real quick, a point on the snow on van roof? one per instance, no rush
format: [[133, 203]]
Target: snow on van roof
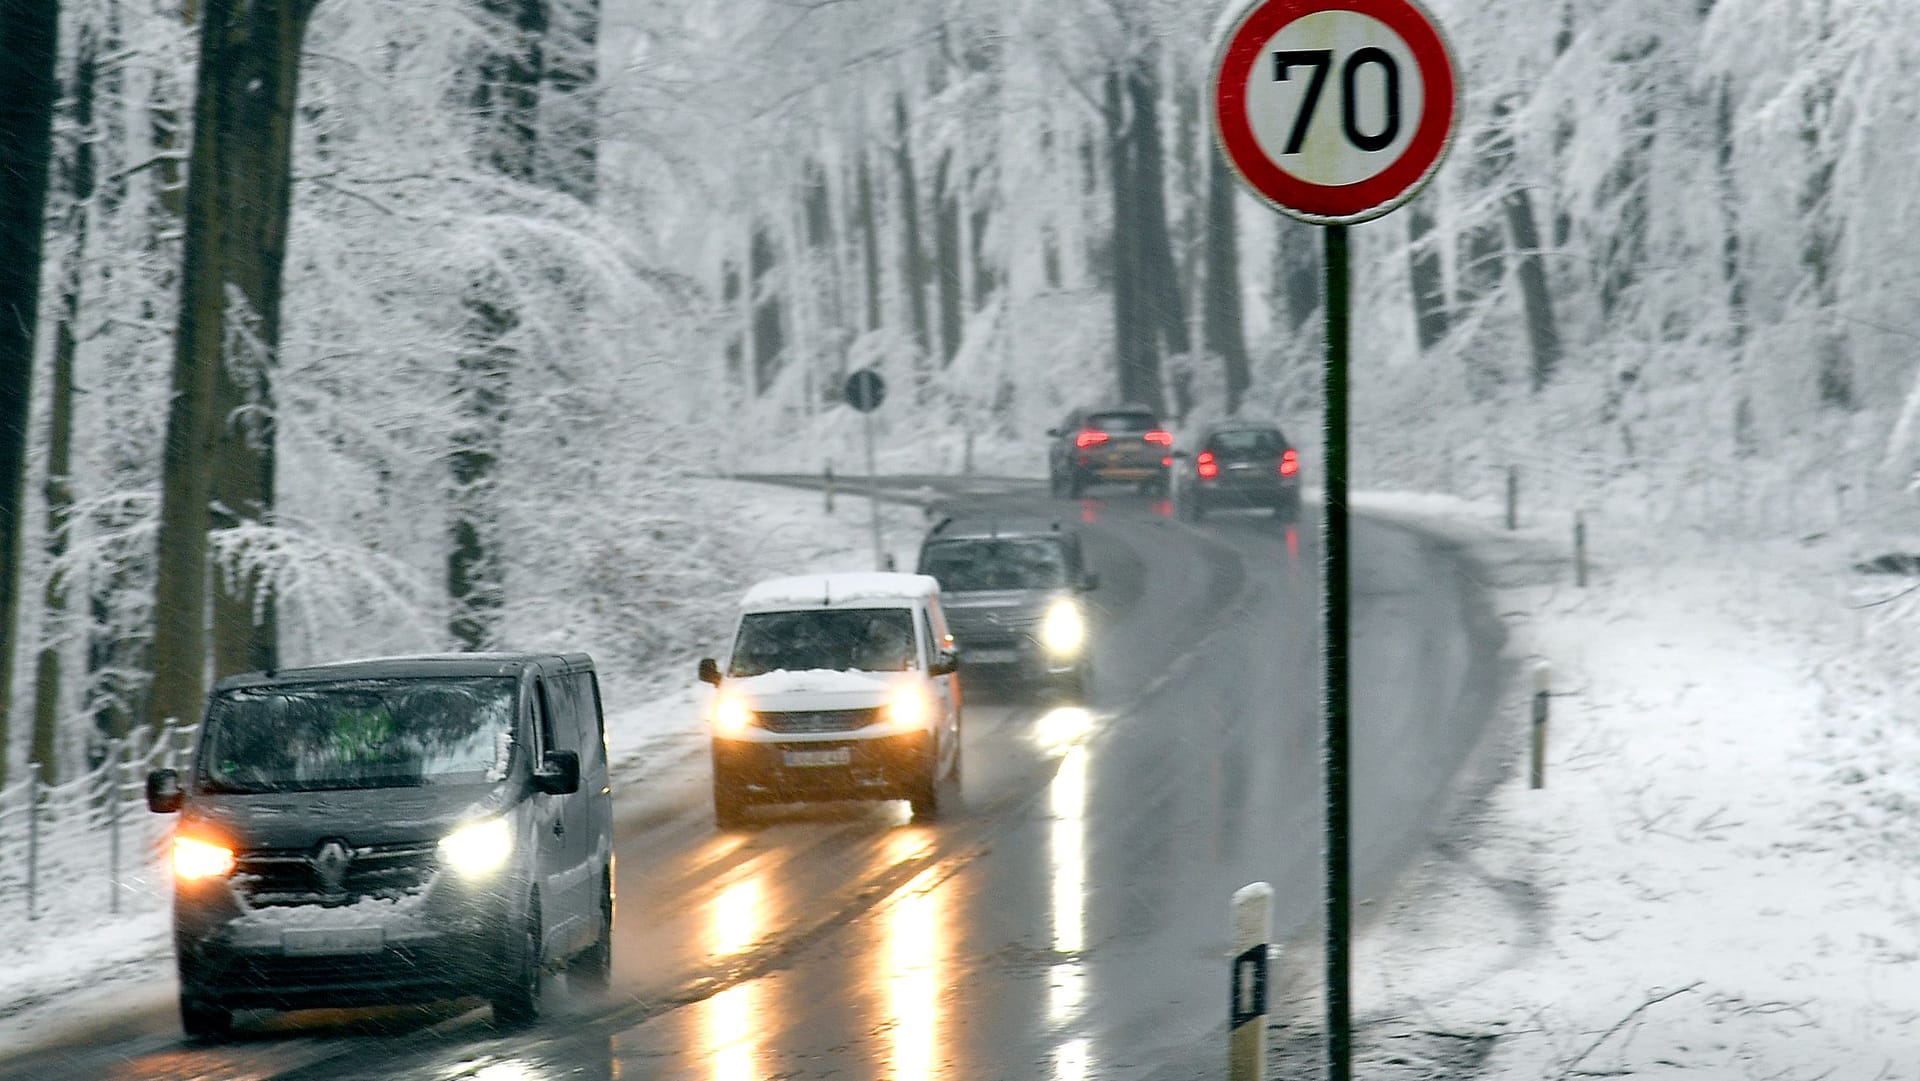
[[849, 589]]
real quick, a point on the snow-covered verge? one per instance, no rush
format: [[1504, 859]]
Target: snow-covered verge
[[1721, 875], [77, 963]]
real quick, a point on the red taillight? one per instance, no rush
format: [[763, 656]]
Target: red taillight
[[1090, 438], [1208, 468], [1289, 463], [1164, 438]]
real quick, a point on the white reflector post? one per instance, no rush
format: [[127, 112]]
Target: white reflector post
[[1247, 1009]]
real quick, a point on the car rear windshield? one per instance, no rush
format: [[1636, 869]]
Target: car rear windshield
[[1248, 441], [841, 639], [970, 566], [376, 733], [1123, 423]]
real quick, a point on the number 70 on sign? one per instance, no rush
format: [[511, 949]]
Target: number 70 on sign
[[1334, 110]]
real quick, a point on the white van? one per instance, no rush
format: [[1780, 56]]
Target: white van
[[837, 686]]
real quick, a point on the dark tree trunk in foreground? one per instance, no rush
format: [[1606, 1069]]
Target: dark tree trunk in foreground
[[235, 237], [28, 52], [1159, 279], [869, 244], [1221, 327], [1138, 307]]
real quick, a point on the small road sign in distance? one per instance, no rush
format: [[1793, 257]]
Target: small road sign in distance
[[865, 390], [1334, 111]]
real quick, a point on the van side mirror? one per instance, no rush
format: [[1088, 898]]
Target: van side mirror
[[1089, 582], [945, 663], [163, 791], [559, 773], [709, 671], [1182, 452]]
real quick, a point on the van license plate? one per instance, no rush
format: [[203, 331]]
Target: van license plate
[[838, 756], [314, 941]]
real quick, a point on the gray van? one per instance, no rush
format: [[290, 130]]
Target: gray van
[[395, 830]]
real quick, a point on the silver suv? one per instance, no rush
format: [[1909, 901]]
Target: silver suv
[[1013, 593]]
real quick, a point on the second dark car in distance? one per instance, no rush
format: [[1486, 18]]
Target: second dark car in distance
[[1238, 466]]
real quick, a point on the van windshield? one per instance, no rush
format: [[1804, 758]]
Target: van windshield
[[842, 639], [374, 733], [970, 566]]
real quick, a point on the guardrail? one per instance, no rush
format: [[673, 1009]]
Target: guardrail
[[89, 847]]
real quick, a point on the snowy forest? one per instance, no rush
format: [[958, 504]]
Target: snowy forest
[[415, 345]]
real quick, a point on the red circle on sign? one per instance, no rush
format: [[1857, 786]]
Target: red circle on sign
[[1334, 203]]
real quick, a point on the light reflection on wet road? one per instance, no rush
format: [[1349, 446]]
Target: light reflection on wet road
[[1067, 922]]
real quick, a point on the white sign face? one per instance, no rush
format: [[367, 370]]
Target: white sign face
[[1336, 99], [1334, 111]]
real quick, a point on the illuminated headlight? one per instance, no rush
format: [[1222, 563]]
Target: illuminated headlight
[[194, 860], [908, 709], [479, 849], [731, 716], [1063, 631]]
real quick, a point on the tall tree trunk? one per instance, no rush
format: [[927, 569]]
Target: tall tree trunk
[[769, 327], [984, 278], [869, 244], [1159, 284], [1296, 271], [1543, 333], [570, 138], [1136, 361], [506, 100], [1425, 277], [237, 197], [1221, 327], [79, 182], [476, 586], [28, 88], [946, 249], [913, 265]]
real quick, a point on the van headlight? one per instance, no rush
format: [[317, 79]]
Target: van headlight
[[478, 849], [731, 716], [194, 859], [908, 709], [1063, 631]]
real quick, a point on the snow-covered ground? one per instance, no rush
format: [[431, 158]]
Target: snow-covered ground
[[1721, 877]]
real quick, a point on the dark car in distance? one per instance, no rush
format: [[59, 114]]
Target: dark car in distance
[[1239, 467], [1012, 592], [392, 830], [1124, 444]]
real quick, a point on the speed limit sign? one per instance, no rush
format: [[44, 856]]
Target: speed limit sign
[[1334, 111]]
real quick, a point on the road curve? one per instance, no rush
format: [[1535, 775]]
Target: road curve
[[1068, 922]]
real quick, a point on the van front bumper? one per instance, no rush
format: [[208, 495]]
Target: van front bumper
[[792, 771]]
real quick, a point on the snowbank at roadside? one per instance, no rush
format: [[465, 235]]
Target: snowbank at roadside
[[1721, 876]]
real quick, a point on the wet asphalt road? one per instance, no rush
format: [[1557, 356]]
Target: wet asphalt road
[[1069, 922]]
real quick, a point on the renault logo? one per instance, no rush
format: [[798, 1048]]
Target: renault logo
[[330, 862]]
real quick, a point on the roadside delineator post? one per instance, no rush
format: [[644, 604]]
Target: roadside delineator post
[[1538, 774], [1247, 1005]]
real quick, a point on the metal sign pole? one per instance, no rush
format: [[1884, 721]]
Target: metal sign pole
[[873, 491], [1339, 865]]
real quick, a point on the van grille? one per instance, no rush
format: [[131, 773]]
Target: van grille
[[804, 722], [270, 877]]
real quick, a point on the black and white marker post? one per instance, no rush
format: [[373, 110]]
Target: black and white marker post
[[865, 390], [1247, 1008], [1335, 112]]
